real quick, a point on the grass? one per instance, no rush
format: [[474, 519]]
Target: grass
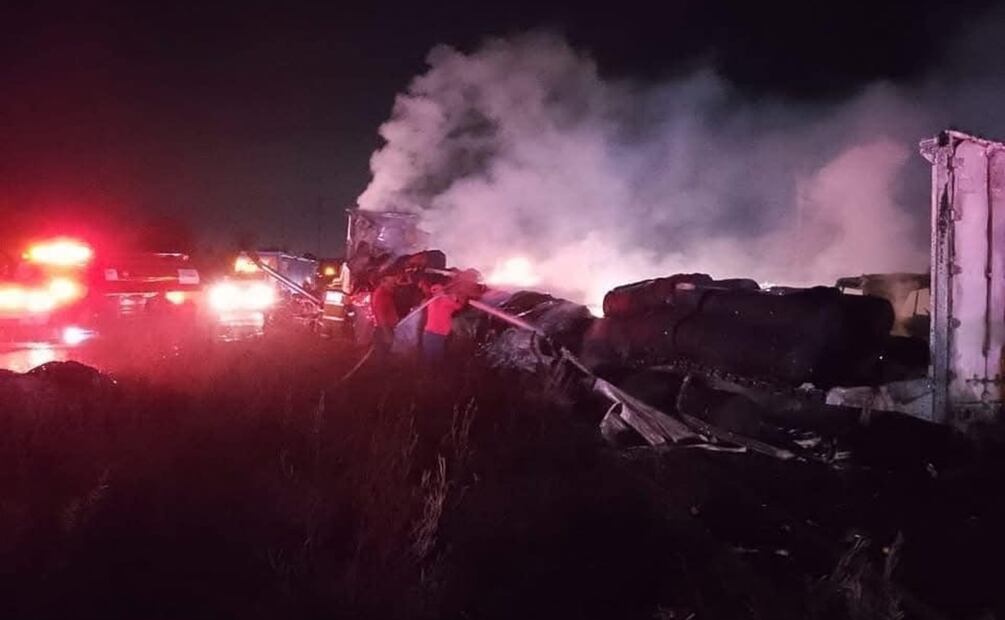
[[246, 481]]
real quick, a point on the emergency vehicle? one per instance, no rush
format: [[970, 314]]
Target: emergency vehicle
[[44, 289], [59, 293]]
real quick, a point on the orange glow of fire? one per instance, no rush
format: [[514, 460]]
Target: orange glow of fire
[[243, 264], [514, 271]]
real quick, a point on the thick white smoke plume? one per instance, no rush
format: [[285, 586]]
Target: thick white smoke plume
[[528, 165]]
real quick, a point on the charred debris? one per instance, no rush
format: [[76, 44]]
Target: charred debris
[[693, 361]]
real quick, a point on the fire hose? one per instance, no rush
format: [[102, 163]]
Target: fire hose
[[655, 426]]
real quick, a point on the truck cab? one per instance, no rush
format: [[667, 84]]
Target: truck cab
[[375, 241]]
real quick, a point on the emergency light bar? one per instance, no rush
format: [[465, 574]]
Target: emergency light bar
[[60, 253]]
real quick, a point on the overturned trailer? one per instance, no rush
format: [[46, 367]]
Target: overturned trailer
[[927, 345]]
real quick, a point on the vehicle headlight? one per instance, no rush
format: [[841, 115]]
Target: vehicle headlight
[[259, 296], [175, 297], [232, 296], [73, 335], [224, 297]]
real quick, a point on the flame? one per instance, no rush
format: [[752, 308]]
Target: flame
[[514, 271], [243, 264]]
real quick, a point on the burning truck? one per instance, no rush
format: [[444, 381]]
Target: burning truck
[[668, 352]]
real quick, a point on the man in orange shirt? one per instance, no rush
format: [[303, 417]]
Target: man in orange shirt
[[439, 321], [385, 316]]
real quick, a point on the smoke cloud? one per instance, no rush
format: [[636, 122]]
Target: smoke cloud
[[528, 164]]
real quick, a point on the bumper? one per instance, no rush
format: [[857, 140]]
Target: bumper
[[241, 319], [232, 326], [335, 313]]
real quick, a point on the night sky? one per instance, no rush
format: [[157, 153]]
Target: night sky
[[254, 120]]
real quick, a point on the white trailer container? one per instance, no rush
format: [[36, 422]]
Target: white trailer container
[[968, 277]]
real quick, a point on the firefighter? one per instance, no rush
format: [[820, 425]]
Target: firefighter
[[385, 315], [439, 320]]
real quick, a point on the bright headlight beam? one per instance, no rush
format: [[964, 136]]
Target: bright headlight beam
[[231, 296]]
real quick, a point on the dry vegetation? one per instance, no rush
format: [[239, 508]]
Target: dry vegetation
[[246, 482]]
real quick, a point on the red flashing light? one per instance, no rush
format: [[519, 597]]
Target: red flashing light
[[60, 253]]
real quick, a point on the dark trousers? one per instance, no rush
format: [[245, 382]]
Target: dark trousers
[[383, 337], [434, 346]]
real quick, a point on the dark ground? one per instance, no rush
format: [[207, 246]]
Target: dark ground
[[244, 481]]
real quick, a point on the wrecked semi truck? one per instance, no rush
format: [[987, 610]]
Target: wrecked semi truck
[[929, 345]]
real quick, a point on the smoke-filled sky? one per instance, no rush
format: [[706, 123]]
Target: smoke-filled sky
[[531, 164], [724, 136]]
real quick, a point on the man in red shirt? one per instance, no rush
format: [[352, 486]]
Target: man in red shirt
[[439, 321], [385, 316]]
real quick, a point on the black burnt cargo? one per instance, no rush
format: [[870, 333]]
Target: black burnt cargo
[[818, 335]]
